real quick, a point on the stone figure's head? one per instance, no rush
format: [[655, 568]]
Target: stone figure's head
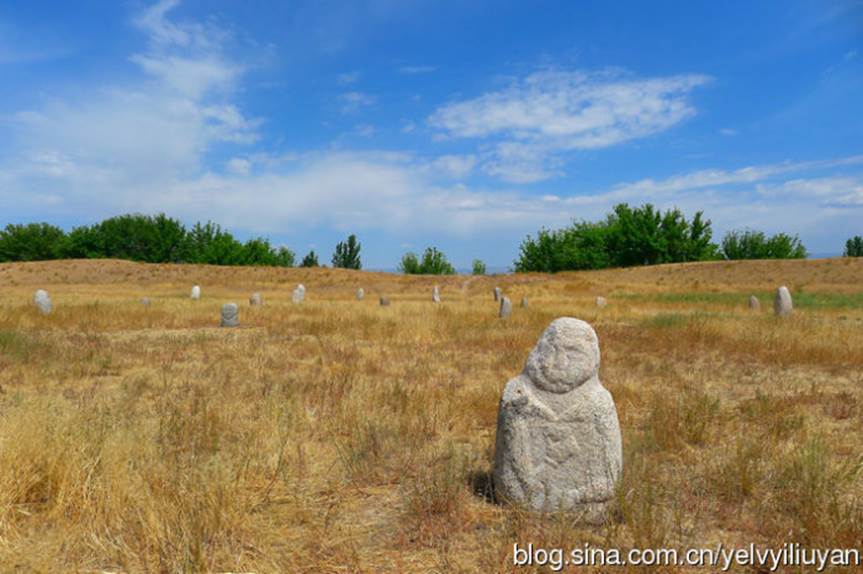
[[566, 356]]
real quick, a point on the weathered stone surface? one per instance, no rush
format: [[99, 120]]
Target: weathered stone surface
[[436, 294], [360, 294], [782, 304], [256, 300], [524, 302], [43, 301], [196, 293], [385, 301], [299, 294], [754, 303], [145, 301], [505, 308], [558, 441], [601, 302], [230, 315], [497, 293]]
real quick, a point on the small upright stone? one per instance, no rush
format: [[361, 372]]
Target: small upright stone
[[145, 301], [524, 302], [497, 293], [436, 294], [558, 445], [505, 308], [299, 294], [782, 304], [601, 302], [196, 293], [385, 301], [360, 294], [754, 303], [230, 315], [255, 300], [43, 301]]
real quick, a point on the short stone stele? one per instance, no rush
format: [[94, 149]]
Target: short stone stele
[[385, 301], [255, 300], [145, 301], [436, 294], [524, 302], [505, 308], [601, 302], [754, 303], [558, 444], [497, 293], [360, 294], [230, 315], [196, 293], [299, 294], [782, 305], [43, 301]]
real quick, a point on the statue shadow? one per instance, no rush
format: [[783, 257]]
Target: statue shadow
[[482, 486]]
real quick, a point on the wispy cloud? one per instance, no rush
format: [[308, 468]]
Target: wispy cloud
[[413, 70], [553, 111], [353, 101], [348, 78]]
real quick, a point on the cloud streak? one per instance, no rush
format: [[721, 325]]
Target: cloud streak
[[555, 111]]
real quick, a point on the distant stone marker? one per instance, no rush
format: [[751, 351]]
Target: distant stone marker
[[299, 294], [558, 443], [436, 294], [754, 303], [145, 301], [43, 301], [524, 302], [782, 305], [505, 308], [230, 315], [497, 293], [255, 300], [601, 302], [385, 301], [360, 294], [196, 293]]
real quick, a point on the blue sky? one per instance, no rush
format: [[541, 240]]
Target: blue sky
[[464, 125]]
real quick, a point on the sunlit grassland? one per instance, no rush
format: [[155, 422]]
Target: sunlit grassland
[[341, 436]]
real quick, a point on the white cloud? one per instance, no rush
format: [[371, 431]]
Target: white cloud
[[452, 166], [353, 101], [413, 70], [364, 130], [348, 78], [728, 132], [155, 128], [554, 111], [239, 166]]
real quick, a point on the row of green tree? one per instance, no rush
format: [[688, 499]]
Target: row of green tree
[[627, 236], [153, 239], [647, 236]]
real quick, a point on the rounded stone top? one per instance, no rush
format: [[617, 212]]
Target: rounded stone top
[[565, 357]]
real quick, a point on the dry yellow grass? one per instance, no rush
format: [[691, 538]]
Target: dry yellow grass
[[340, 436]]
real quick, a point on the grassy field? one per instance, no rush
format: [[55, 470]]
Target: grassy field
[[341, 436]]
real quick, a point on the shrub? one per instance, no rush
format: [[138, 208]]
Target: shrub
[[749, 244], [31, 242], [347, 254], [310, 260], [854, 247], [478, 267], [628, 236], [433, 262]]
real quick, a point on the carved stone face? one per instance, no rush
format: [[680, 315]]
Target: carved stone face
[[566, 356]]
